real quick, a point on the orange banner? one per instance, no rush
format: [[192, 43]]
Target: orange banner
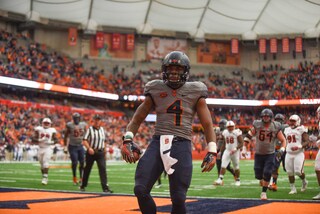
[[130, 42], [116, 41], [273, 45], [298, 44], [72, 37], [285, 45], [262, 46], [99, 40], [234, 46]]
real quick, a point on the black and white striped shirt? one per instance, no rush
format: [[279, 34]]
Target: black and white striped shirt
[[95, 137]]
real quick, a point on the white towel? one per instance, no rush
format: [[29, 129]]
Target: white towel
[[165, 147]]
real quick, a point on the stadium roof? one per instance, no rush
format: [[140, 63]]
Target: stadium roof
[[245, 19]]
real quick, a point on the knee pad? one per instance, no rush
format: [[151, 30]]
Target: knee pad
[[298, 173], [140, 191], [178, 198]]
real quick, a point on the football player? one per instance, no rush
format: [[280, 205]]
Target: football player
[[73, 141], [297, 139], [273, 183], [175, 101], [45, 136], [317, 161], [220, 142], [233, 142], [266, 131]]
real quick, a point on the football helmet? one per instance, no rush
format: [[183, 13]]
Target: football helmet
[[266, 112], [175, 78], [230, 125], [222, 124], [76, 118], [294, 121], [46, 123], [279, 117]]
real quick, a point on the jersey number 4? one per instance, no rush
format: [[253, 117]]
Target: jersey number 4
[[175, 108]]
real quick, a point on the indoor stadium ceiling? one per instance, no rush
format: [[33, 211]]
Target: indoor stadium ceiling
[[244, 19]]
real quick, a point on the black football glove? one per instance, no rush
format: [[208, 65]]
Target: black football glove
[[279, 155], [208, 162], [130, 151]]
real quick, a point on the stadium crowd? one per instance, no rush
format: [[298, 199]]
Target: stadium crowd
[[20, 57]]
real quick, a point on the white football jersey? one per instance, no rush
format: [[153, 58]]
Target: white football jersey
[[294, 138], [231, 138], [45, 136]]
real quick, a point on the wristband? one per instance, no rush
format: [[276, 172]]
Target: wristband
[[282, 149], [212, 147], [128, 136]]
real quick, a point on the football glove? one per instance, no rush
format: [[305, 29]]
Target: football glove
[[65, 150], [279, 154], [130, 151], [208, 162]]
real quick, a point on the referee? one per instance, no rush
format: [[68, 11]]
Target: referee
[[95, 142]]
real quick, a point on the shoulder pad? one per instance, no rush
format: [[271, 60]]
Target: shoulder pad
[[238, 132], [277, 125], [83, 123], [152, 84], [53, 130], [303, 128], [224, 132], [257, 123], [197, 88], [38, 128]]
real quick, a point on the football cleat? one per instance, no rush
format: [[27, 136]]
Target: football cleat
[[237, 183], [107, 190], [75, 182], [317, 197], [293, 191], [263, 196], [82, 189], [44, 181], [304, 186], [273, 187], [218, 182]]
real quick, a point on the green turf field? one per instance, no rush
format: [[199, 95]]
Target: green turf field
[[121, 180]]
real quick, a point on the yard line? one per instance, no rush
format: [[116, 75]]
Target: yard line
[[8, 181]]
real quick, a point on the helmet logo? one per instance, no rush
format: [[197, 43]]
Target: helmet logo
[[174, 61]]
